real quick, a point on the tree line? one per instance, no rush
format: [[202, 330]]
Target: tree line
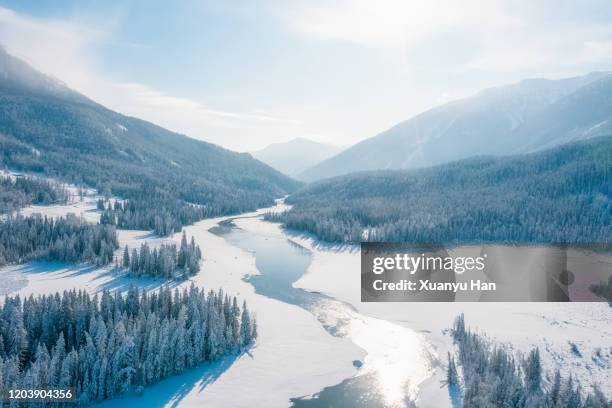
[[106, 346], [165, 261], [562, 195], [492, 377], [20, 191], [68, 239], [162, 215]]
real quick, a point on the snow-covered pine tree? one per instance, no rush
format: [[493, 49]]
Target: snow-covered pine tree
[[451, 371], [106, 346], [126, 257]]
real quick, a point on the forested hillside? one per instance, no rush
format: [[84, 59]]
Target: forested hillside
[[559, 195], [45, 127]]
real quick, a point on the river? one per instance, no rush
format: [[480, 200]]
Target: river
[[398, 359]]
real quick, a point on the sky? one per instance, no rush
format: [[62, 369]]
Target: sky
[[244, 74]]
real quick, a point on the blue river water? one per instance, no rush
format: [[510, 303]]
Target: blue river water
[[281, 262]]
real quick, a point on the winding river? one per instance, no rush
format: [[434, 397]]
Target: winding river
[[397, 360]]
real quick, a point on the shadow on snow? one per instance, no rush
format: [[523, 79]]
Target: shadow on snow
[[171, 391]]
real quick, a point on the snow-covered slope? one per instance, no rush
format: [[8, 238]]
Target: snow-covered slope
[[527, 116], [45, 126]]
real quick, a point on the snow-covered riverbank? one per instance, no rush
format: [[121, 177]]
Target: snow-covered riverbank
[[553, 327], [293, 356], [398, 358]]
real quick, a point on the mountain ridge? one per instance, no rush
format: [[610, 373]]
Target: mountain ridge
[[489, 122], [48, 128], [557, 195]]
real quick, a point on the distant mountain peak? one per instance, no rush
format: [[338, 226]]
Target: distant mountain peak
[[294, 156], [16, 76]]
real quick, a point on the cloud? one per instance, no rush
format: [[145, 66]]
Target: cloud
[[444, 98], [373, 63], [156, 99], [563, 48], [54, 46], [390, 23], [66, 50], [594, 51], [528, 37]]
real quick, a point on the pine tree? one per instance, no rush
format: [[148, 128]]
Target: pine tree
[[533, 371], [126, 257], [183, 251], [245, 325], [554, 395], [452, 378], [254, 332], [459, 331]]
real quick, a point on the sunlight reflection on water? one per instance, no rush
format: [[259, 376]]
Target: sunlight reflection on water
[[399, 358]]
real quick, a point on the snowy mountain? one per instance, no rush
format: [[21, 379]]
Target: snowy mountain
[[16, 76], [560, 194], [46, 127], [296, 155], [519, 118]]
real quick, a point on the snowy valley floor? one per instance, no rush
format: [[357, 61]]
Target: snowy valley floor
[[295, 356], [553, 327]]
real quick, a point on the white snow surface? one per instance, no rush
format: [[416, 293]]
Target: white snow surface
[[85, 208], [335, 271], [81, 206], [293, 356]]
